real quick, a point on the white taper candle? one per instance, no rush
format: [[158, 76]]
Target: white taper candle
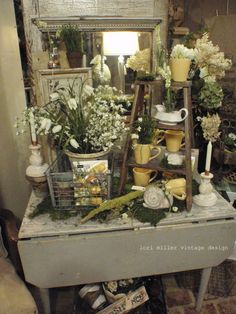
[[32, 128], [208, 157]]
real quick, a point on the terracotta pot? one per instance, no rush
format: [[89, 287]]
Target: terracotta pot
[[179, 69], [75, 59]]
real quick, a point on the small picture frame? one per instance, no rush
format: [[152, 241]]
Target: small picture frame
[[50, 79]]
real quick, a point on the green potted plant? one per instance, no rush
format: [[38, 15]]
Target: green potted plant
[[73, 39], [166, 112], [143, 136]]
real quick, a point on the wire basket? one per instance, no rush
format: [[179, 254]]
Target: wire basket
[[78, 188]]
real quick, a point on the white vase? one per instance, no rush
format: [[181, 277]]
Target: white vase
[[92, 156]]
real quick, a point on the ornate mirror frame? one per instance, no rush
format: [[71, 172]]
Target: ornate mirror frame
[[99, 24]]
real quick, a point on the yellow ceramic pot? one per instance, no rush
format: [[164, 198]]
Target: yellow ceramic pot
[[179, 69], [174, 140], [142, 177], [142, 153]]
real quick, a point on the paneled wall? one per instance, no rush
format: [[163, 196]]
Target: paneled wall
[[197, 12], [14, 189]]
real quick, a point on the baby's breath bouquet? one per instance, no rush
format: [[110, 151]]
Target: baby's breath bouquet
[[78, 118]]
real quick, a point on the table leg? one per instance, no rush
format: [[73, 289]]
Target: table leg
[[45, 299], [206, 272]]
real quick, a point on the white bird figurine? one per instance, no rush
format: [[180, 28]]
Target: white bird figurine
[[101, 72]]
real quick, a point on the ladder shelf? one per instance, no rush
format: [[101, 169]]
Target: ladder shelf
[[187, 127]]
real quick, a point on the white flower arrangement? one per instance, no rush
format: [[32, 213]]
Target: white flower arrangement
[[165, 72], [210, 126], [79, 118], [140, 61], [210, 59], [179, 51]]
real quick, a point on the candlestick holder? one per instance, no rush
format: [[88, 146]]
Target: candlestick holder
[[35, 172], [206, 197]]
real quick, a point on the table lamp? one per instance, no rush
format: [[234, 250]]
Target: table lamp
[[120, 44]]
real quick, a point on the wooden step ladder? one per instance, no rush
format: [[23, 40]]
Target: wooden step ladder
[[187, 126]]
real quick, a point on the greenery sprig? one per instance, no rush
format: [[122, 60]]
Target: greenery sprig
[[144, 129], [72, 37]]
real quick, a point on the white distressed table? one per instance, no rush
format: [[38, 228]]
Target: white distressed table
[[65, 253]]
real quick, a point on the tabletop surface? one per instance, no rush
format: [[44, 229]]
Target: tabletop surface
[[43, 226]]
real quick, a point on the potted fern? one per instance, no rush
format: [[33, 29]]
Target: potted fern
[[73, 39]]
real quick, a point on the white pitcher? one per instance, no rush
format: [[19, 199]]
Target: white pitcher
[[172, 117]]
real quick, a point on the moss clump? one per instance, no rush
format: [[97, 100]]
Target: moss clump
[[45, 207]]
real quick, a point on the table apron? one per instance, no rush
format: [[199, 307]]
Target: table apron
[[71, 260]]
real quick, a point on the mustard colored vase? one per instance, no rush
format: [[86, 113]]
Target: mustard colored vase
[[142, 153], [179, 69], [174, 140]]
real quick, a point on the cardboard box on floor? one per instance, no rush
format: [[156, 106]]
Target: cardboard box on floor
[[124, 305]]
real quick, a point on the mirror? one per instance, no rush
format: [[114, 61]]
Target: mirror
[[94, 29], [113, 71]]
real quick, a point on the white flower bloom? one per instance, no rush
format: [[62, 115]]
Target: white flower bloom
[[180, 51], [140, 119], [56, 128], [45, 125], [175, 209], [232, 136], [54, 96], [124, 216], [74, 143], [210, 125], [210, 57], [72, 103], [88, 90]]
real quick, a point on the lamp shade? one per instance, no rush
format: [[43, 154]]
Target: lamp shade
[[120, 43]]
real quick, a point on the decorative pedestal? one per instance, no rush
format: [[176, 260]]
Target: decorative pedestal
[[35, 173], [206, 197]]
